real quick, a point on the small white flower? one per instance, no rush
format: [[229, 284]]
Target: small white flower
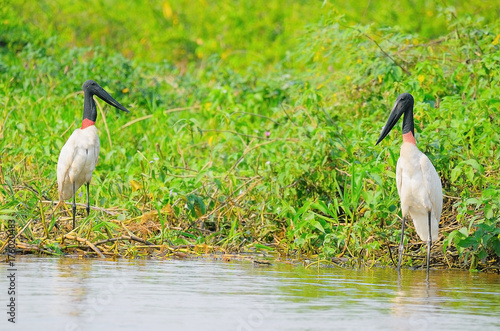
[[268, 162]]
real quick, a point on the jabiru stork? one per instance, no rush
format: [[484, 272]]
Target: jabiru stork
[[419, 185], [79, 155]]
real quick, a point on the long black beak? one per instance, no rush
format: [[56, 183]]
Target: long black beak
[[101, 93], [391, 121]]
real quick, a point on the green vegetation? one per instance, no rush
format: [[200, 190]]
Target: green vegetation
[[252, 125]]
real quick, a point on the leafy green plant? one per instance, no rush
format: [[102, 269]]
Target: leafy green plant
[[259, 136]]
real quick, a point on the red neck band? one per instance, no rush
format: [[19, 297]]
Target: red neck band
[[86, 123], [408, 138]]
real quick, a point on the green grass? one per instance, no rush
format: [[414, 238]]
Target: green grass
[[253, 123]]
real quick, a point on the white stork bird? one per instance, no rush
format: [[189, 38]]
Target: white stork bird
[[79, 155], [419, 185]]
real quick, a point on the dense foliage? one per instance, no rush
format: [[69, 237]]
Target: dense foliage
[[253, 123]]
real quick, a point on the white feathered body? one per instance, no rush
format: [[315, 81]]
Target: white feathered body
[[420, 191], [77, 161]]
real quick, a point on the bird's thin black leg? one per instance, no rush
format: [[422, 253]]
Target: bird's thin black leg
[[88, 203], [74, 204], [401, 243], [429, 243]]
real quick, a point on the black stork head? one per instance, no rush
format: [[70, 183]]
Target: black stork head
[[91, 88], [403, 105]]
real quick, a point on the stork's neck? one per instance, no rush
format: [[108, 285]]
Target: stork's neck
[[408, 126], [409, 138], [89, 111], [86, 123]]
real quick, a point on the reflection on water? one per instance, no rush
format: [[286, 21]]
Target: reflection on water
[[72, 294]]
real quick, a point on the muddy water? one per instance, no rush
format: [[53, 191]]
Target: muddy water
[[72, 294]]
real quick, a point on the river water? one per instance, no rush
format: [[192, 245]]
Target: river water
[[93, 294]]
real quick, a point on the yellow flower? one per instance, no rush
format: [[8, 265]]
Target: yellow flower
[[316, 57], [421, 78], [167, 10], [135, 185], [495, 42], [225, 54]]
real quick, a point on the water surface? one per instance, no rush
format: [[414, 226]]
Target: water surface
[[92, 294]]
